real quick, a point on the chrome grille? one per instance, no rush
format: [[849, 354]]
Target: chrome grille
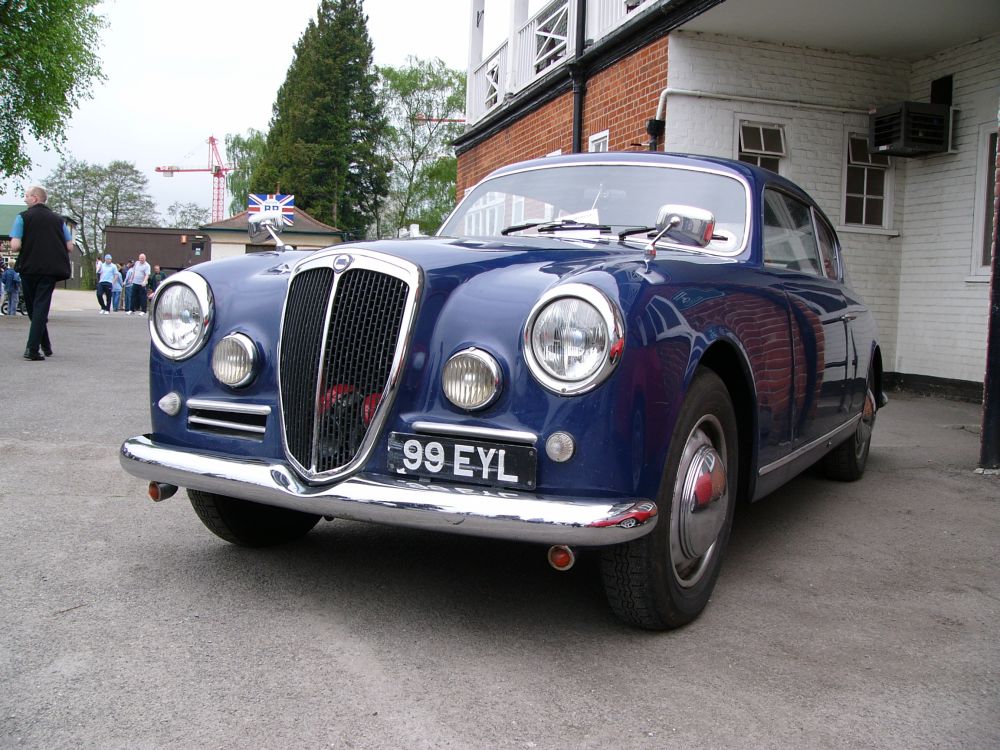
[[333, 372]]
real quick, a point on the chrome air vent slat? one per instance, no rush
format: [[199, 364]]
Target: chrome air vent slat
[[231, 420]]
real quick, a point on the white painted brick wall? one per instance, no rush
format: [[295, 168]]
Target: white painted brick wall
[[899, 276], [942, 313]]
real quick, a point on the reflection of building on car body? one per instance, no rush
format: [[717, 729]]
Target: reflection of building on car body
[[604, 350]]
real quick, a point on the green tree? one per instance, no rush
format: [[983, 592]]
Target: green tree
[[47, 65], [244, 153], [423, 101], [97, 196], [187, 215], [323, 145]]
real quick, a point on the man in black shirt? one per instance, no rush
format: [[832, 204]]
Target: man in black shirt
[[43, 243]]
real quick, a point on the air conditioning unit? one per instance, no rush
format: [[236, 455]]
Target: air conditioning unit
[[910, 129]]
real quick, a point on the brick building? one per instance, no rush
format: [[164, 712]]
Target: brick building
[[169, 248], [788, 84]]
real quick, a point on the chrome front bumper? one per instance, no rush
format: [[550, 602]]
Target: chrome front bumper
[[475, 511]]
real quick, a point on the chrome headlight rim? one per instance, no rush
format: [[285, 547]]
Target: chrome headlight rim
[[249, 348], [613, 323], [491, 365], [203, 294]]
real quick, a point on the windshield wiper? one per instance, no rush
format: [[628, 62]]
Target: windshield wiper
[[568, 225], [634, 230]]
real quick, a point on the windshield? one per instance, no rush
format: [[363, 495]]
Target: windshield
[[601, 200]]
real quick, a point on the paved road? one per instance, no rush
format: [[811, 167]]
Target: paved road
[[847, 616]]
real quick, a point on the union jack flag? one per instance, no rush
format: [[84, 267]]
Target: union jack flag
[[266, 204]]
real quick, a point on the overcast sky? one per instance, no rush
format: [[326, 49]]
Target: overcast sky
[[180, 71]]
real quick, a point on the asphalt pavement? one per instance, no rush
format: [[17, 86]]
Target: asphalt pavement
[[863, 615]]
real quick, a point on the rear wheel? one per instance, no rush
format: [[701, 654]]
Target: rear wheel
[[249, 524], [664, 579], [846, 462]]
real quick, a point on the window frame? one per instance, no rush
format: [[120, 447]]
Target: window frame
[[888, 185], [596, 139], [985, 170], [758, 154]]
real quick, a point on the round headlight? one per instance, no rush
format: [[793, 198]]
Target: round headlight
[[471, 379], [573, 338], [233, 360], [181, 315]]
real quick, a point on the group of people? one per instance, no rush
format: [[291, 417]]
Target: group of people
[[136, 279], [43, 243], [10, 286]]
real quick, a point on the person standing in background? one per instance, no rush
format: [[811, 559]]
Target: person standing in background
[[140, 277], [43, 243], [105, 283], [116, 289], [156, 279], [128, 287]]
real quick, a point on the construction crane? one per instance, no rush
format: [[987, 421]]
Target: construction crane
[[219, 171]]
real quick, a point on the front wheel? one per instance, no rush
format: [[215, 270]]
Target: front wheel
[[249, 524], [664, 579]]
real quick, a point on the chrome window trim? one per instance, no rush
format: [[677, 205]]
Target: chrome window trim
[[206, 301], [409, 273], [613, 321], [748, 203]]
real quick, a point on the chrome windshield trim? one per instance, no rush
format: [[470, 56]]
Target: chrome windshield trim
[[473, 433], [478, 511], [849, 425], [230, 406], [747, 219]]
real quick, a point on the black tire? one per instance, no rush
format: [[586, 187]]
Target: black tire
[[846, 462], [249, 524], [664, 579]]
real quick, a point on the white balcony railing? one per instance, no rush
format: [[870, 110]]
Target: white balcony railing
[[539, 45], [488, 84]]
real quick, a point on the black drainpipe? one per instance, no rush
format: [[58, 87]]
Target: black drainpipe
[[579, 76], [989, 457]]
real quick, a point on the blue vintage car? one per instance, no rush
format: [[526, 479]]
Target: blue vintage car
[[601, 350]]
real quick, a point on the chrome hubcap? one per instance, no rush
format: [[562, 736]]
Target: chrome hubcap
[[867, 423], [700, 501]]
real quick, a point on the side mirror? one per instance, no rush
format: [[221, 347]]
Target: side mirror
[[685, 225]]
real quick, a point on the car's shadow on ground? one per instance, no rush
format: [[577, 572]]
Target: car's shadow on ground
[[405, 576]]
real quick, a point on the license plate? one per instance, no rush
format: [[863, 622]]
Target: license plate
[[468, 461]]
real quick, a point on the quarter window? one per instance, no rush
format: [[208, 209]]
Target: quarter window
[[762, 145], [829, 250], [866, 185]]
